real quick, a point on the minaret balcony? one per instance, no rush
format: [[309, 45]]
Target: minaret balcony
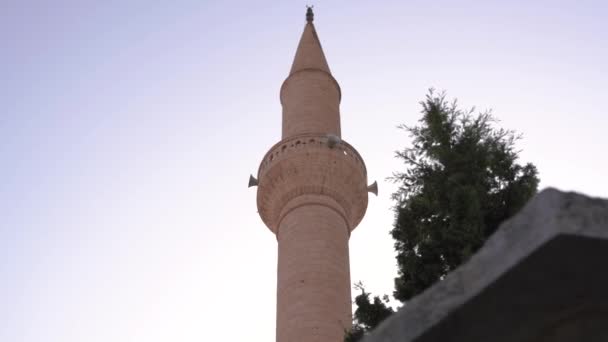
[[312, 168]]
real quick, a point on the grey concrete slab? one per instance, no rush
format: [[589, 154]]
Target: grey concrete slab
[[543, 276]]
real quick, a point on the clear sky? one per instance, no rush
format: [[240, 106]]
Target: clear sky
[[129, 129]]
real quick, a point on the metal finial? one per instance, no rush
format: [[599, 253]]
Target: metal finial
[[309, 15]]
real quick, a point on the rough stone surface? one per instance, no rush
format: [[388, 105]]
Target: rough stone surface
[[542, 277]]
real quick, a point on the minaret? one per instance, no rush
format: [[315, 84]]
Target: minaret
[[312, 192]]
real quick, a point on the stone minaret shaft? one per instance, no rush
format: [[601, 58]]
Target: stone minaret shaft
[[312, 192]]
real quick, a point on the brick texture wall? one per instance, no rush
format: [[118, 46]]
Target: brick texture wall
[[311, 103], [313, 290], [312, 192]]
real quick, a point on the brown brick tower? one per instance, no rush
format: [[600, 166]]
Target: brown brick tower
[[312, 192]]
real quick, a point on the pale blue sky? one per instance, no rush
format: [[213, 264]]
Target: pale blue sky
[[129, 129]]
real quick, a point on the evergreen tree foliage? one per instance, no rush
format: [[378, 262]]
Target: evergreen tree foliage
[[368, 315], [461, 181]]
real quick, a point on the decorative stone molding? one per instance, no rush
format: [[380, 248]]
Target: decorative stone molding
[[306, 165]]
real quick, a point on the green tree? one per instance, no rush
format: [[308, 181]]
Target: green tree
[[461, 181], [368, 315]]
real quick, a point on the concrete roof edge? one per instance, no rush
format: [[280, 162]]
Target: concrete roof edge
[[549, 214]]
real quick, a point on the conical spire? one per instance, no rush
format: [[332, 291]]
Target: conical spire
[[309, 54], [310, 95]]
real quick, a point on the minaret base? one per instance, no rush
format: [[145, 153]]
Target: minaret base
[[313, 290]]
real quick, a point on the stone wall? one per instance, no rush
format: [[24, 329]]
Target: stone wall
[[542, 277]]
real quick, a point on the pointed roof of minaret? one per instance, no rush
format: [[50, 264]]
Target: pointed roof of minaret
[[309, 54]]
